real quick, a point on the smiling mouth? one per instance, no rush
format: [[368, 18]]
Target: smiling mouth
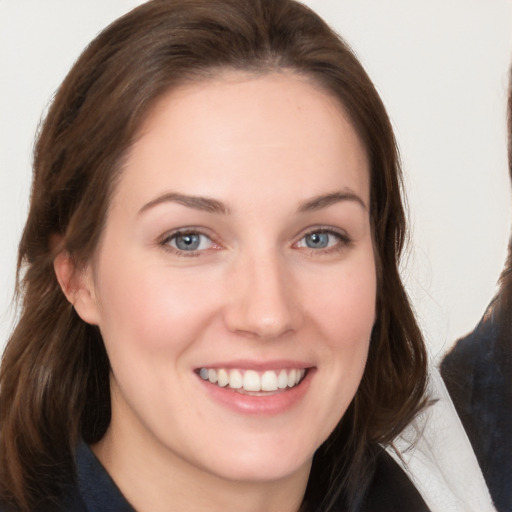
[[253, 381]]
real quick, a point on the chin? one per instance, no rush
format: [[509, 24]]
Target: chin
[[259, 462]]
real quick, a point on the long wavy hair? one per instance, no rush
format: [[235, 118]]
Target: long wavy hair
[[54, 377], [503, 300]]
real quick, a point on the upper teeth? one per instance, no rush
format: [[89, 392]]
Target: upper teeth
[[251, 380]]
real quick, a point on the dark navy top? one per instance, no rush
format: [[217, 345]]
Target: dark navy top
[[478, 375], [94, 490]]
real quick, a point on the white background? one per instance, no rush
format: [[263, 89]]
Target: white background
[[441, 68]]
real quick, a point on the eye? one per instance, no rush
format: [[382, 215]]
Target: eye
[[322, 239], [317, 240], [188, 241]]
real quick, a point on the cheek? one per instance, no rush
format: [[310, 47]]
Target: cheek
[[344, 316], [346, 309], [147, 307]]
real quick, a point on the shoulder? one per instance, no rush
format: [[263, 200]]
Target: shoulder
[[474, 349], [390, 489], [474, 371]]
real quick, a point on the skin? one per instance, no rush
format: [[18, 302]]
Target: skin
[[264, 148]]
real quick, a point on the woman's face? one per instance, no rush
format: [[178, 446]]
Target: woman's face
[[235, 283]]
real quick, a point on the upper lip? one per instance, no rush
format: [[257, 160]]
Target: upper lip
[[247, 364]]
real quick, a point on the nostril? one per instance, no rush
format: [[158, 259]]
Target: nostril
[[265, 321]]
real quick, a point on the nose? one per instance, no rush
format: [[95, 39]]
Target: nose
[[262, 300]]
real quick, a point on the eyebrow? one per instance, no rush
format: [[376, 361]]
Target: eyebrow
[[210, 205], [205, 204], [325, 200]]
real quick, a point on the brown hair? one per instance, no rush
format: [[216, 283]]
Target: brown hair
[[54, 379], [509, 122], [501, 306]]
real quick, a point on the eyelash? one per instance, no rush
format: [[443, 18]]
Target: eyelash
[[343, 240]]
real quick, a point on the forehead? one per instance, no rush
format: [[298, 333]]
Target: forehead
[[253, 132]]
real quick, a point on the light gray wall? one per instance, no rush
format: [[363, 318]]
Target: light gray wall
[[441, 68]]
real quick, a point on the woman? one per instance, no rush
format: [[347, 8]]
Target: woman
[[212, 307]]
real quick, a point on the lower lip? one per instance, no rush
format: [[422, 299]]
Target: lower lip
[[270, 404]]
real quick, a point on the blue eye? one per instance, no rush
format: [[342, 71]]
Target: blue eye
[[317, 240], [321, 239], [189, 241]]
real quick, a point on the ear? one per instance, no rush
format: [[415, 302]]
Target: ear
[[78, 287]]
